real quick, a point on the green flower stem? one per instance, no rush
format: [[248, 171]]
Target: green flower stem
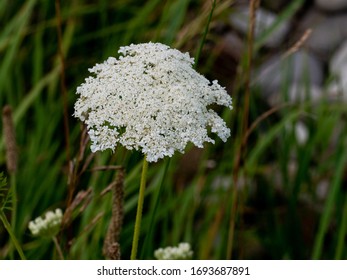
[[330, 202], [139, 210], [154, 211], [10, 232], [197, 56], [342, 234]]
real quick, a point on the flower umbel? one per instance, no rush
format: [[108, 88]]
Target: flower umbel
[[181, 252], [150, 99], [47, 226]]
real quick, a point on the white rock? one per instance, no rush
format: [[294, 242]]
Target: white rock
[[331, 5], [297, 93], [264, 20], [327, 35], [337, 89], [301, 133], [322, 189], [339, 59], [233, 46], [338, 68], [300, 68]]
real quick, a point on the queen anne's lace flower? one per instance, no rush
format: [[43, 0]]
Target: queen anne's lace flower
[[150, 99], [181, 252], [47, 226]]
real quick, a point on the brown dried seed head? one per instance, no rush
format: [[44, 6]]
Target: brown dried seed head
[[110, 250]]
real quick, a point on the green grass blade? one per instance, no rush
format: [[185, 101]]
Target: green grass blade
[[341, 159]]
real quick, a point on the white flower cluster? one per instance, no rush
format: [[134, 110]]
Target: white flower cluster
[[182, 252], [49, 226], [150, 99]]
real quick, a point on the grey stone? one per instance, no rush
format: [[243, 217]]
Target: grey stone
[[233, 46], [239, 19], [339, 60], [272, 5], [310, 19], [297, 93], [338, 68], [294, 72], [331, 5], [327, 35], [302, 133]]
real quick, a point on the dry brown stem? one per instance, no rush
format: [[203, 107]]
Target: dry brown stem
[[111, 248]]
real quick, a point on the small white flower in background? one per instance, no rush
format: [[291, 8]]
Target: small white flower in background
[[48, 226], [150, 99], [181, 252]]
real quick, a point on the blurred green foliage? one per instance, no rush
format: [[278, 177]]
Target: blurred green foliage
[[279, 214]]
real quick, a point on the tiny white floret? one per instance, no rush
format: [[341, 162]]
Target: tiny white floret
[[47, 226], [181, 252]]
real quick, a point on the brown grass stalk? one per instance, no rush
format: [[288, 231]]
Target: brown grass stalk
[[253, 6], [111, 248]]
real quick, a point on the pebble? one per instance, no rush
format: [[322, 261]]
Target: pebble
[[301, 133], [322, 189], [339, 60], [271, 75], [239, 19], [327, 35], [326, 45], [277, 5], [297, 93], [331, 5], [233, 46], [338, 68]]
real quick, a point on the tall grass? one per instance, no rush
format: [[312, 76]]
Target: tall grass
[[279, 214]]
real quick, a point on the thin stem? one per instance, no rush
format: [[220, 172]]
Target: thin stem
[[342, 234], [139, 210], [57, 246], [232, 222], [253, 6], [12, 236], [154, 211], [62, 80], [330, 201], [197, 56]]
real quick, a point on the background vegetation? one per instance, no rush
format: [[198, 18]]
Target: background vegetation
[[254, 197]]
